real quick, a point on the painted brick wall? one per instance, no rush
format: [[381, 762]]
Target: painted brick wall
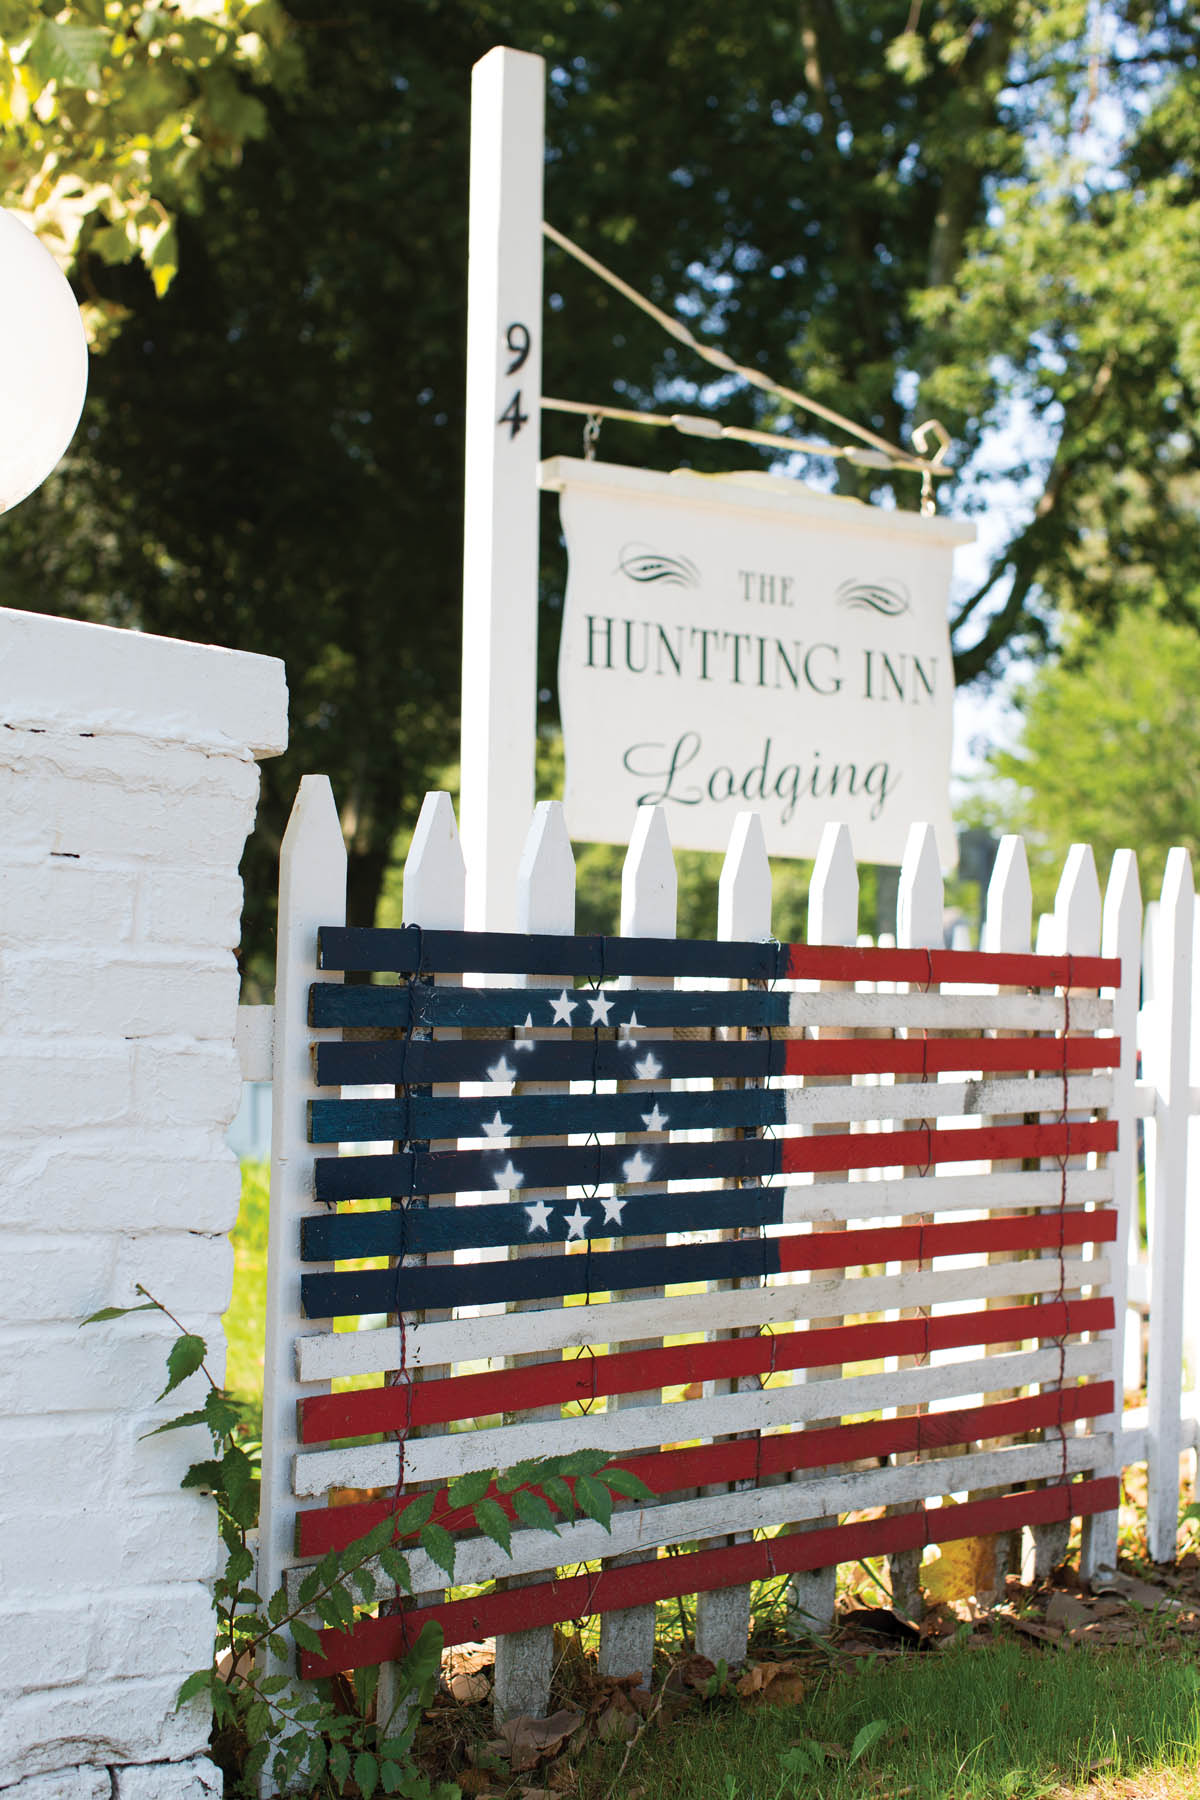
[[128, 784]]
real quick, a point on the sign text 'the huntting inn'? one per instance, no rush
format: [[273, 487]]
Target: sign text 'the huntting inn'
[[734, 642]]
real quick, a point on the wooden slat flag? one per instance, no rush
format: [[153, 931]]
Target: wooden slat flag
[[713, 1188]]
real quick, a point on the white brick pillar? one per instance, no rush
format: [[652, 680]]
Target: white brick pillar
[[128, 785]]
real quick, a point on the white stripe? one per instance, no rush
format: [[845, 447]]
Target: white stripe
[[457, 1453], [811, 1496], [916, 1011], [943, 1099], [326, 1355]]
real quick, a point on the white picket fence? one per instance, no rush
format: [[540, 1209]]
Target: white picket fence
[[1154, 1013]]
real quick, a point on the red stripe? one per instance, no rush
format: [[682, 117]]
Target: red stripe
[[927, 968], [400, 1409], [324, 1528], [918, 1243], [387, 1639], [935, 1055], [924, 1148]]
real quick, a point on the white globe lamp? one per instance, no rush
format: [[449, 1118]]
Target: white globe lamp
[[43, 362]]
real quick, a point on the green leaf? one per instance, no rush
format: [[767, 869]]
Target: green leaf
[[595, 1499], [581, 1462], [870, 1734], [419, 1668], [221, 1414], [238, 1564], [309, 1588], [532, 1509], [256, 1756], [306, 1637], [392, 1777], [415, 1514], [438, 1545], [364, 1581], [179, 1424], [621, 1481], [117, 1312], [257, 1720], [339, 1764], [493, 1520], [465, 1490], [207, 1475], [277, 1606], [396, 1567], [519, 1474], [559, 1495], [198, 1682], [183, 1359], [366, 1773]]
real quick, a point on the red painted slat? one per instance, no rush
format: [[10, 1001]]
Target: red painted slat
[[924, 1148], [928, 968], [637, 1584], [936, 1055], [918, 1243], [326, 1528], [399, 1409]]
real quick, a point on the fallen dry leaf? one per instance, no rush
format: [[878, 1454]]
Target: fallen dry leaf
[[1138, 1593], [474, 1782], [617, 1724], [528, 1740], [1067, 1611], [469, 1689], [962, 1568]]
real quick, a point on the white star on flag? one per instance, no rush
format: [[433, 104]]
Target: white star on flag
[[648, 1068], [496, 1127], [613, 1210], [563, 1008], [624, 1031], [577, 1221], [539, 1216], [638, 1168], [525, 1043], [501, 1071], [600, 1009], [653, 1121], [508, 1177]]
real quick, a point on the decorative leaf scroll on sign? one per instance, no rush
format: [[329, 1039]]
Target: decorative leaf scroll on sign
[[734, 641], [636, 1166]]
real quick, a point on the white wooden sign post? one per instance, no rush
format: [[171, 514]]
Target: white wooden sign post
[[503, 433]]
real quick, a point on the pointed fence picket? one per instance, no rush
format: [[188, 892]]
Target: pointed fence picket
[[874, 1023]]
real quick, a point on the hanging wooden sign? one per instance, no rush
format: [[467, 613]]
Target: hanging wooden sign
[[740, 641]]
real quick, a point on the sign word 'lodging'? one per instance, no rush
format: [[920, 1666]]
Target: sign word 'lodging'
[[734, 641]]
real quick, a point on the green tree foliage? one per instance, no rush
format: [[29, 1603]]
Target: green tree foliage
[[904, 209], [112, 113], [1109, 749]]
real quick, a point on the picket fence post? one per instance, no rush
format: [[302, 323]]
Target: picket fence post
[[1121, 935], [1073, 930], [1007, 928], [434, 896], [545, 905], [1167, 1067], [312, 893], [743, 915], [920, 915], [832, 919], [649, 890]]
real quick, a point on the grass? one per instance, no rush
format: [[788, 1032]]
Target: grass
[[245, 1322], [992, 1722]]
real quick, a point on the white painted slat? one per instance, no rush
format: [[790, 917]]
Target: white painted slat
[[743, 914], [622, 1433], [326, 1355], [916, 1011], [434, 896], [946, 1099], [817, 1497], [832, 919], [545, 906], [1121, 932], [649, 891], [1167, 1060], [495, 1336], [312, 893]]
